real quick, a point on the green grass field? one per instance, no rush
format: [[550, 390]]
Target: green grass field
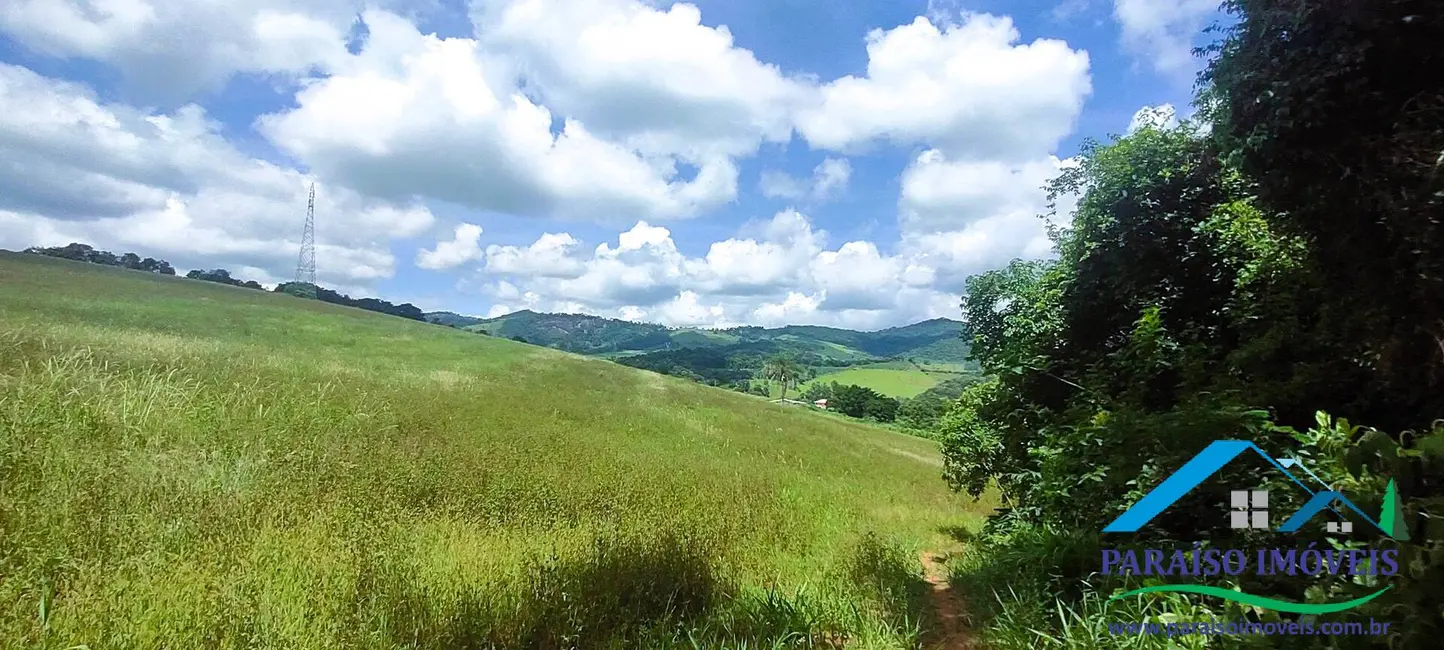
[[191, 465], [943, 367], [894, 379]]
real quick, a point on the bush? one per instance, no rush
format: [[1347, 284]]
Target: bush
[[222, 276]]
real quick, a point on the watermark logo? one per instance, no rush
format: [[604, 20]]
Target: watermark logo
[[1220, 453], [1249, 510]]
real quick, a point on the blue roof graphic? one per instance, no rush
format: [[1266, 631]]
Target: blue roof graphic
[[1206, 464]]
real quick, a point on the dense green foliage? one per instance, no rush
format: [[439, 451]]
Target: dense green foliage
[[222, 276], [952, 387], [729, 365], [576, 332], [84, 253], [854, 401], [954, 350], [303, 290], [1243, 281], [187, 465], [712, 366], [922, 412], [1334, 110]]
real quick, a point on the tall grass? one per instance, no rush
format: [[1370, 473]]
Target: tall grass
[[190, 465], [1022, 595]]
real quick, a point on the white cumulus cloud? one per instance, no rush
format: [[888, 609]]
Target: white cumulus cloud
[[169, 185], [552, 255], [783, 274], [829, 179], [417, 115], [1162, 33], [633, 114], [968, 88], [170, 49], [462, 248], [658, 80]]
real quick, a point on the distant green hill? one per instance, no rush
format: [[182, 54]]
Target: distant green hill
[[934, 340], [451, 319], [576, 332], [891, 342], [953, 350], [733, 356]]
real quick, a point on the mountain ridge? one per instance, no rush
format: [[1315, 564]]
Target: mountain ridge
[[935, 339], [443, 317]]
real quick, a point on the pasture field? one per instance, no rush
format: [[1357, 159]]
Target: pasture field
[[894, 379], [192, 465], [943, 367]]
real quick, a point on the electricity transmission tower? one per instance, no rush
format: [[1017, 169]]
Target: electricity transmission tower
[[306, 265]]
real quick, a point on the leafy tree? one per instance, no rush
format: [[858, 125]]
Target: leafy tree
[[921, 411], [1232, 282], [782, 370], [850, 400], [222, 276], [307, 290], [862, 402], [819, 390], [85, 253], [973, 450], [1316, 101], [1139, 315], [152, 265], [952, 387], [881, 408]]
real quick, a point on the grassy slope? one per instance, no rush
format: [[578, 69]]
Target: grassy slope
[[192, 465]]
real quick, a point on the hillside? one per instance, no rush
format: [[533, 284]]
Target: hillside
[[451, 319], [953, 350], [933, 339], [893, 379], [734, 356], [187, 464], [575, 332]]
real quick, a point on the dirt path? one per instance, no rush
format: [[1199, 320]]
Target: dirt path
[[953, 633]]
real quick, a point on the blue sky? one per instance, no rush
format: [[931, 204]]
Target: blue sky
[[708, 163]]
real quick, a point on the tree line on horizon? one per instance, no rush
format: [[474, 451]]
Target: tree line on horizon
[[86, 253]]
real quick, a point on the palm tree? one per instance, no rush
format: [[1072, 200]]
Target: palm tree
[[782, 370]]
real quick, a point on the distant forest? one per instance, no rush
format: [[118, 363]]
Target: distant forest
[[86, 253], [731, 365]]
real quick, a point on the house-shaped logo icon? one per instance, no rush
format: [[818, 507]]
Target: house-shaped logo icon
[[1250, 508]]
